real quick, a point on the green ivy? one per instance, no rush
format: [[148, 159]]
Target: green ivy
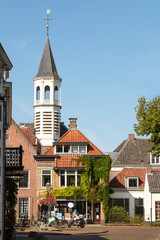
[[11, 200], [95, 179]]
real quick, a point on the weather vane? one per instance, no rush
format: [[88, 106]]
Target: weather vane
[[47, 20]]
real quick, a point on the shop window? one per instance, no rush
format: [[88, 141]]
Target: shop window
[[46, 177], [24, 182], [23, 207]]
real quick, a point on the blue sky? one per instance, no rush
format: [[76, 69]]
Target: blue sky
[[107, 53]]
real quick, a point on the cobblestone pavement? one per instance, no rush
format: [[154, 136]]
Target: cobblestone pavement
[[97, 233]]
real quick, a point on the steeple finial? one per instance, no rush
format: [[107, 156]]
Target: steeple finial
[[47, 20]]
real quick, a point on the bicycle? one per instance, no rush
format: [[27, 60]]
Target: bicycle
[[42, 225]]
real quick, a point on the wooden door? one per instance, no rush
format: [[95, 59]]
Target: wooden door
[[97, 213]]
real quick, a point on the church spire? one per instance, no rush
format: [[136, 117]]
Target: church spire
[[47, 67]]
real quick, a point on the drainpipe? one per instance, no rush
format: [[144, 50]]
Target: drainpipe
[[151, 211]]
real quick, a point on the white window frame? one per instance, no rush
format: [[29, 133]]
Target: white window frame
[[151, 157], [46, 174], [129, 178], [65, 177], [28, 180], [71, 149], [28, 206]]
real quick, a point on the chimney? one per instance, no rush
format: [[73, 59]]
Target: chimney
[[73, 123], [131, 137]]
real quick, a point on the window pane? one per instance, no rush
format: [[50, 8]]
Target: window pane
[[46, 177], [62, 172], [118, 202], [157, 159], [59, 148], [23, 207], [71, 172], [75, 149], [132, 182], [66, 148], [153, 159], [78, 180], [70, 180], [46, 172], [24, 180], [82, 149], [126, 208], [62, 181]]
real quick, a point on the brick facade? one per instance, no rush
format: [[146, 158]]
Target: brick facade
[[17, 138]]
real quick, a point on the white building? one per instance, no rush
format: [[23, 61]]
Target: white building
[[135, 179], [47, 100]]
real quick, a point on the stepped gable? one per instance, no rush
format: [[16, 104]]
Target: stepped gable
[[132, 153], [75, 136], [119, 180]]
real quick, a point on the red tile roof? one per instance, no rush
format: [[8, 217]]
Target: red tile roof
[[119, 180], [29, 135], [77, 136], [50, 151], [67, 161]]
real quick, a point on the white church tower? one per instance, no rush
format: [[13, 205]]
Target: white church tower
[[47, 99]]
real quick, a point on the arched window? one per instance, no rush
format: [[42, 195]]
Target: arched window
[[56, 93], [47, 92], [38, 93]]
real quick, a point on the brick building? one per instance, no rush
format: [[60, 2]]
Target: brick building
[[16, 136]]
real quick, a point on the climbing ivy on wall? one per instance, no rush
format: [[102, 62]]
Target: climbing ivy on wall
[[11, 200], [94, 182], [95, 179]]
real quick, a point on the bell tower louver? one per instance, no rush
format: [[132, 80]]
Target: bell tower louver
[[47, 99]]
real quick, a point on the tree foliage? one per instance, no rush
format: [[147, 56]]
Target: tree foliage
[[148, 117]]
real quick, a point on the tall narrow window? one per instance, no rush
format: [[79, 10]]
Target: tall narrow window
[[47, 92], [56, 93], [23, 207], [38, 93]]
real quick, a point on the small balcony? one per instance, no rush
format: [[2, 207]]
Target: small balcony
[[13, 160]]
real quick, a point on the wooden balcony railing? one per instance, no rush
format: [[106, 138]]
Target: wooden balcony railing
[[13, 157]]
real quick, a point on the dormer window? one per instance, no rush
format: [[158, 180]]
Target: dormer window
[[132, 182], [154, 159], [75, 149]]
